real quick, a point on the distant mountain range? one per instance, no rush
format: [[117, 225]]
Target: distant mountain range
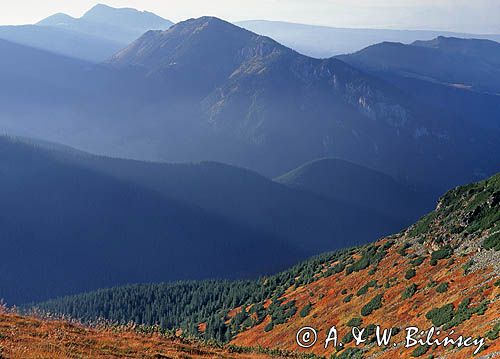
[[104, 30], [208, 90], [85, 222], [460, 76], [324, 41], [96, 36], [467, 63], [120, 25]]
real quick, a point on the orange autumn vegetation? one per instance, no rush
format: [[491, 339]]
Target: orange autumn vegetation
[[328, 307], [442, 272], [23, 337]]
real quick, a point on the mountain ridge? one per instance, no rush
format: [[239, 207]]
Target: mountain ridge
[[180, 221], [82, 228], [443, 271], [451, 61], [347, 181], [122, 25], [326, 41], [208, 90], [96, 36]]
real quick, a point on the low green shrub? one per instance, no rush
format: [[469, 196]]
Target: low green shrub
[[443, 287], [355, 322], [306, 310], [409, 291], [410, 273], [492, 242], [372, 305]]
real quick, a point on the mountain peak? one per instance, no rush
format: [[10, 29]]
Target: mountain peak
[[56, 20], [207, 45], [209, 23], [101, 13]]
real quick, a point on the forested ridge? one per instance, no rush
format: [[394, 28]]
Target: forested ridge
[[186, 304], [460, 236]]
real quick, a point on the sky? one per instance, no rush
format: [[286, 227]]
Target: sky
[[476, 16]]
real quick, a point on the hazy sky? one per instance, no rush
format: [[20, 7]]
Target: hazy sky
[[480, 16]]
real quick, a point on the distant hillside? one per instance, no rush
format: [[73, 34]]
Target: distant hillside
[[95, 37], [62, 41], [324, 41], [366, 188], [248, 198], [169, 213], [254, 128], [442, 271], [469, 63], [449, 74], [67, 228], [121, 25]]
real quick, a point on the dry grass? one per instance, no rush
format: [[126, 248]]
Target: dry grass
[[329, 308], [29, 338]]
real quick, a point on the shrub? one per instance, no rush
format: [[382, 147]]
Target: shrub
[[421, 350], [440, 316], [492, 242], [493, 333], [372, 255], [442, 253], [355, 322], [467, 266], [418, 261], [348, 298], [443, 287], [364, 289], [423, 225], [464, 313], [410, 273], [348, 337], [409, 291], [306, 310], [269, 327], [431, 283], [349, 353], [372, 305]]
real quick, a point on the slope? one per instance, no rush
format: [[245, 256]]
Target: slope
[[362, 186], [442, 271], [269, 108], [310, 222], [470, 63], [62, 41], [31, 337], [66, 229]]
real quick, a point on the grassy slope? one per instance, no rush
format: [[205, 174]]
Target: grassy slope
[[30, 338], [466, 219]]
